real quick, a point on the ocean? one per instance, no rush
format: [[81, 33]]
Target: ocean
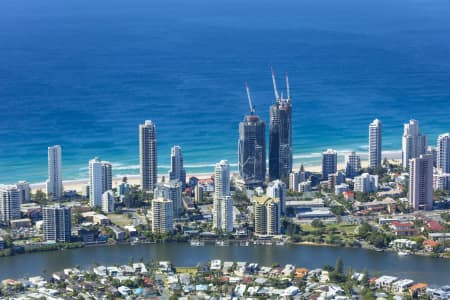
[[84, 74]]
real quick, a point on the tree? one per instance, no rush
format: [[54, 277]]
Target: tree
[[40, 197], [317, 223]]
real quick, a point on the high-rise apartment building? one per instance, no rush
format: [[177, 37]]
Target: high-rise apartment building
[[223, 203], [171, 190], [147, 155], [57, 223], [9, 203], [329, 163], [100, 180], [277, 189], [366, 183], [352, 165], [24, 191], [375, 142], [421, 182], [177, 171], [414, 143], [162, 215], [54, 181], [267, 215], [443, 153]]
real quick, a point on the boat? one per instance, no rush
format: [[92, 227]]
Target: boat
[[403, 253], [197, 243], [280, 243], [222, 243], [244, 244]]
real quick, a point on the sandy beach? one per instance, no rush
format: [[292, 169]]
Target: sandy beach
[[80, 184]]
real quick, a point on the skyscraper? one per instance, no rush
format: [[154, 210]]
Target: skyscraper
[[375, 143], [148, 159], [414, 143], [171, 190], [421, 182], [267, 215], [222, 179], [223, 203], [100, 180], [280, 144], [54, 181], [329, 163], [162, 215], [57, 223], [443, 153], [277, 189], [252, 148], [9, 203], [177, 171], [352, 165]]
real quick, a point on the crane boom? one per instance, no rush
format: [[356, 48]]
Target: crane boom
[[250, 102], [274, 85], [288, 87]]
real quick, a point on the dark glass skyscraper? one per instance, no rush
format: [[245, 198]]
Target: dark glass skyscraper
[[252, 147], [280, 147], [252, 150]]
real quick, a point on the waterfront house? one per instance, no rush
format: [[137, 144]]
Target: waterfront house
[[430, 245], [385, 281], [400, 286], [403, 244], [403, 228]]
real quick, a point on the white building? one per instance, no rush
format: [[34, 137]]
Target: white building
[[277, 189], [295, 178], [177, 171], [108, 201], [100, 180], [352, 165], [304, 187], [54, 180], [171, 190], [421, 182], [147, 155], [24, 191], [223, 203], [414, 143], [162, 215], [366, 183], [329, 163], [441, 181], [443, 153], [9, 203], [375, 143]]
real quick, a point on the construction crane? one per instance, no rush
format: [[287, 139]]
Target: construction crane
[[250, 102], [288, 87], [277, 97]]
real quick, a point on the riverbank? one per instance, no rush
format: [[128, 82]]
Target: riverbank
[[415, 267]]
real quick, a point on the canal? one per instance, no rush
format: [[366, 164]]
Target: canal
[[427, 269]]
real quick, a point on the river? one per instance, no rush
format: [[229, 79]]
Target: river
[[431, 270]]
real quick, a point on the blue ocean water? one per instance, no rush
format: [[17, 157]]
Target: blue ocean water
[[84, 74]]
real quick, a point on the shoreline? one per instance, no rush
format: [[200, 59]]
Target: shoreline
[[79, 184]]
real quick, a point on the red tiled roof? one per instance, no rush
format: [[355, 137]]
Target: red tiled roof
[[400, 224], [435, 226]]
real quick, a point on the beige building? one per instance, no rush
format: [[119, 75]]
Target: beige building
[[267, 212]]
